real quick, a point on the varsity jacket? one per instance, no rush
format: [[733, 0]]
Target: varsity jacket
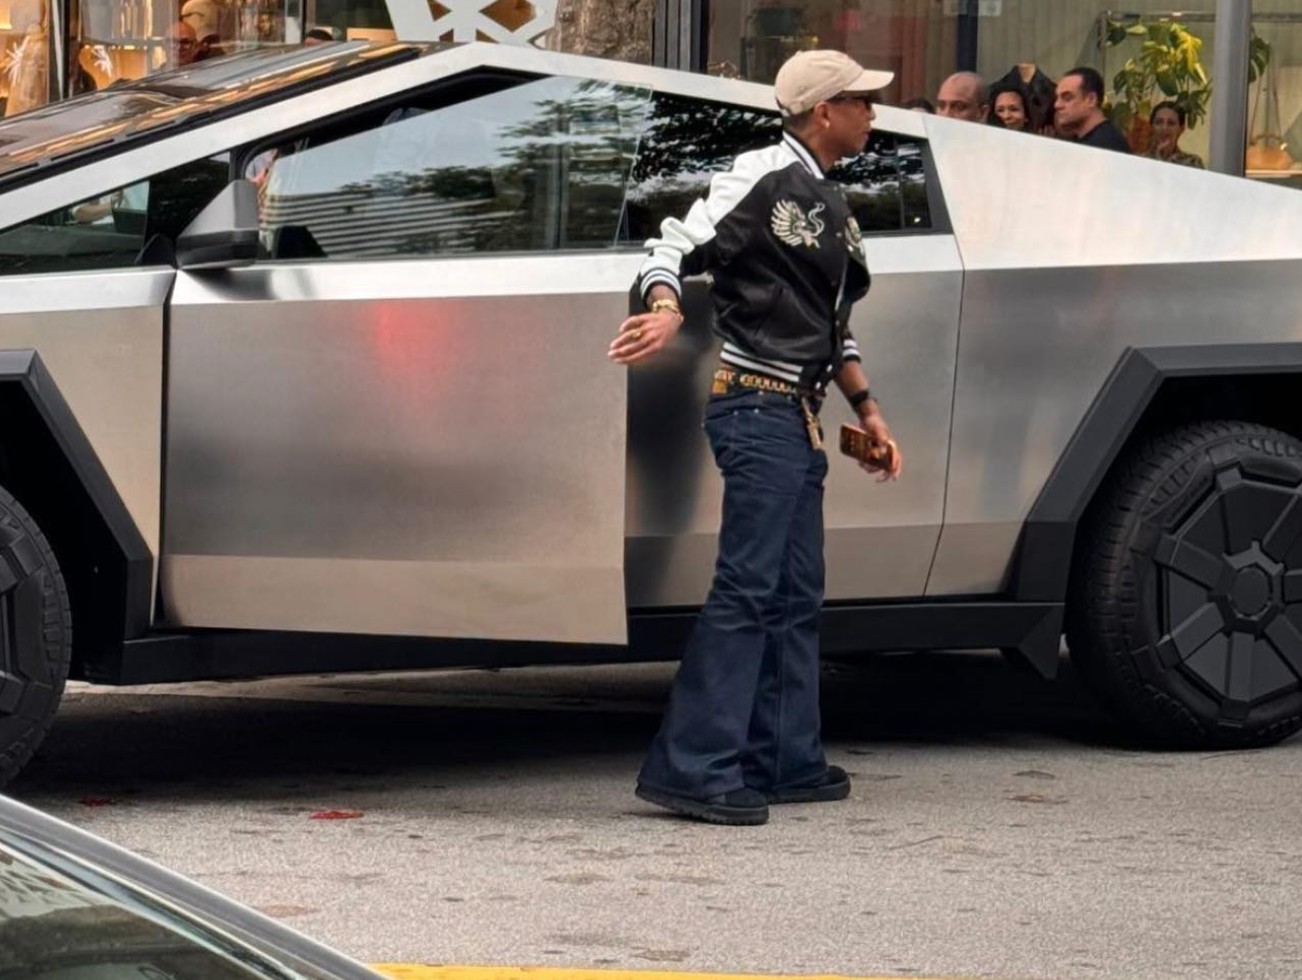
[[787, 259]]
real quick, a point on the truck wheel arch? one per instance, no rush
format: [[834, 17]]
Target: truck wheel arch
[[49, 465], [1139, 388]]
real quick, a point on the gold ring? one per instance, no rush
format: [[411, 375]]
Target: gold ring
[[637, 334]]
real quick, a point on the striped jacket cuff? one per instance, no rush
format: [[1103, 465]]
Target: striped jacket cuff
[[660, 277]]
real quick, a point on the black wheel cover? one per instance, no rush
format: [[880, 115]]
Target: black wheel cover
[[1193, 587]]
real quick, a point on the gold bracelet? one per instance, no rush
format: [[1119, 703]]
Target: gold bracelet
[[672, 306]]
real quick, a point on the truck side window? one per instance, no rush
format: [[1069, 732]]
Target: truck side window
[[536, 167], [109, 231], [686, 141], [886, 185]]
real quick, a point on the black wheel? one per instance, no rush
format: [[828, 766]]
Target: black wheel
[[1185, 616], [35, 636]]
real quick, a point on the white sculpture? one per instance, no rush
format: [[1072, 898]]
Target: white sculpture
[[468, 22]]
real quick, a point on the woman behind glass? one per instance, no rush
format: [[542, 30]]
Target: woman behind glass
[[1168, 122], [1008, 109]]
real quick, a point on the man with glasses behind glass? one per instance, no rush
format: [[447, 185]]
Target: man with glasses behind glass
[[742, 728]]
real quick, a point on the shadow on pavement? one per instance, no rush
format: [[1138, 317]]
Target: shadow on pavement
[[155, 744]]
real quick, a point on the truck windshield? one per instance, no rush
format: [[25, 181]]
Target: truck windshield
[[175, 99]]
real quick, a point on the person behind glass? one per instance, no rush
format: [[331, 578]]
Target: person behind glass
[[183, 46], [1078, 112], [1008, 110], [964, 95], [742, 727], [1168, 121], [317, 35], [919, 104]]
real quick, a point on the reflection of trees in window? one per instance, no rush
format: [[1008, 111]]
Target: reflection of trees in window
[[685, 142], [553, 180], [585, 144], [886, 185]]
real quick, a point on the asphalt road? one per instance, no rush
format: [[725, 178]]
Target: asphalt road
[[996, 828]]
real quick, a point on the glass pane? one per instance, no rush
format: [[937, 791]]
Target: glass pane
[[886, 185], [25, 49], [1274, 150], [174, 100], [538, 167], [60, 926], [685, 142], [110, 230], [916, 39], [104, 232], [1152, 56], [118, 40], [348, 20]]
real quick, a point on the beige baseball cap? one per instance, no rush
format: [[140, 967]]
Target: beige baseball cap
[[810, 77]]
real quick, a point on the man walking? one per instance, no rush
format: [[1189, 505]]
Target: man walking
[[1078, 111], [742, 728]]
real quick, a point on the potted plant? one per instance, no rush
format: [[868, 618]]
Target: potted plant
[[1169, 63], [1167, 67]]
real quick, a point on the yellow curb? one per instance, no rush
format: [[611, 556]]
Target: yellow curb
[[417, 971]]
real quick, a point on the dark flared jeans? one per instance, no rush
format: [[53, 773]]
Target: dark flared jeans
[[744, 705]]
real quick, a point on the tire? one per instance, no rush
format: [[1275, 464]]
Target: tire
[[35, 636], [1185, 612]]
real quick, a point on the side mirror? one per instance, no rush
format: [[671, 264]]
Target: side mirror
[[224, 235]]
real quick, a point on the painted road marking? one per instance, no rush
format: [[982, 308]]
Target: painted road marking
[[417, 971]]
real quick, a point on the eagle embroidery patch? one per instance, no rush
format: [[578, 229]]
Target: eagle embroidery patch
[[794, 227]]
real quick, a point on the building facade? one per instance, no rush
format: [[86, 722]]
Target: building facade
[[1236, 63]]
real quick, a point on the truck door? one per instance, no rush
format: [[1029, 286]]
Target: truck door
[[403, 421]]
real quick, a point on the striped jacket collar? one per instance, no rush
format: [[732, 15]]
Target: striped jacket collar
[[803, 155]]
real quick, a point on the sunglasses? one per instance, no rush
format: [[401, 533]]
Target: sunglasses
[[867, 100]]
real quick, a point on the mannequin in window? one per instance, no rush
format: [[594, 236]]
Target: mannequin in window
[[29, 65], [97, 66]]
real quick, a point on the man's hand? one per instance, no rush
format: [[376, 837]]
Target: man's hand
[[642, 335], [871, 421]]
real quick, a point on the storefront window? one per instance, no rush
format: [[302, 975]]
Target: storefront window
[[118, 40], [1274, 150], [916, 39], [25, 48]]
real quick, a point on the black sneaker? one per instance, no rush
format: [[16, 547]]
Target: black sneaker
[[835, 785], [739, 808]]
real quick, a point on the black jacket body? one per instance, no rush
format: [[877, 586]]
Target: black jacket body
[[787, 260]]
